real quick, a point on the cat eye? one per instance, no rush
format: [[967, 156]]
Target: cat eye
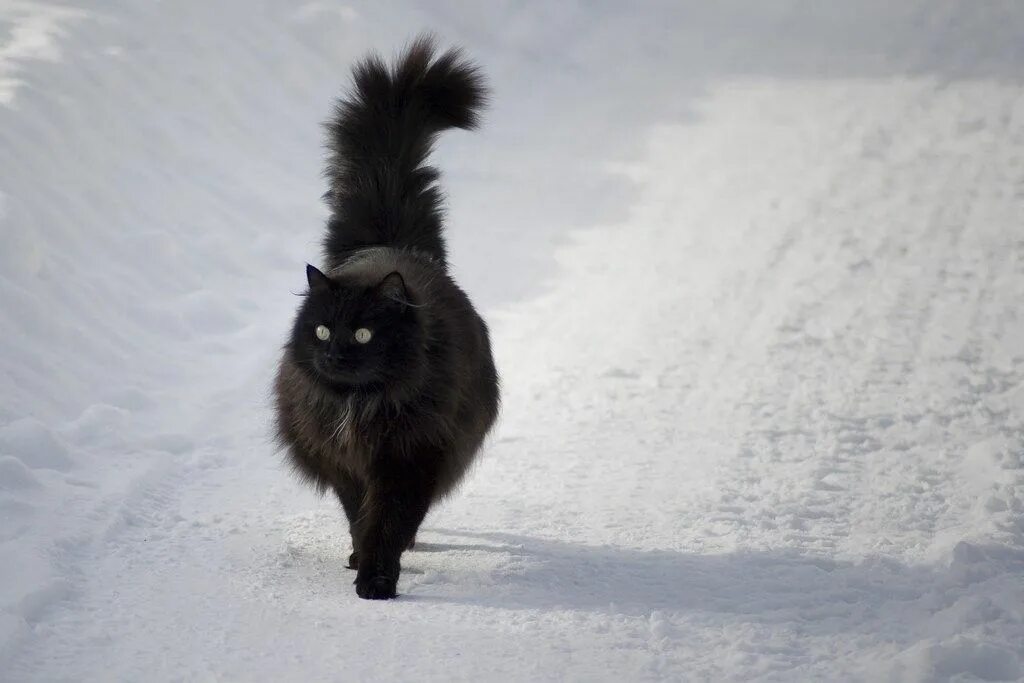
[[363, 335], [322, 333]]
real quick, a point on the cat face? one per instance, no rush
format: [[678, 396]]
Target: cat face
[[350, 335]]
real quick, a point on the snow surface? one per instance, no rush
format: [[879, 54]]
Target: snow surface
[[755, 274]]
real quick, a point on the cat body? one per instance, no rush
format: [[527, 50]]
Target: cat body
[[387, 387]]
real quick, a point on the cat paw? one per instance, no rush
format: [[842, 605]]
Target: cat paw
[[353, 560], [376, 588]]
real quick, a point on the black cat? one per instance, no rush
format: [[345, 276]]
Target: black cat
[[387, 387]]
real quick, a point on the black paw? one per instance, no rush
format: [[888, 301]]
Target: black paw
[[353, 560], [376, 587]]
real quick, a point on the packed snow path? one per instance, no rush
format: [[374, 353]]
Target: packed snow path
[[764, 412]]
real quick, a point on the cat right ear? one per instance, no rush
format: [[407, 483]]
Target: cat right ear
[[318, 282]]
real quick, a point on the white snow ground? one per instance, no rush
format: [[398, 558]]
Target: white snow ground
[[755, 274]]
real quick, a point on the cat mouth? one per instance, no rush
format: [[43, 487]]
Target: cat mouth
[[329, 368], [339, 374]]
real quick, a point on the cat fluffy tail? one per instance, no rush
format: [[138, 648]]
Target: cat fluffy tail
[[381, 191]]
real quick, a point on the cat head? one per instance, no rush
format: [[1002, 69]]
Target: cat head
[[352, 334]]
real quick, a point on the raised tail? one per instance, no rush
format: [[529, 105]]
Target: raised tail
[[381, 190]]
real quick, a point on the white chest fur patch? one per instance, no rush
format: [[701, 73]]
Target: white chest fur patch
[[343, 424]]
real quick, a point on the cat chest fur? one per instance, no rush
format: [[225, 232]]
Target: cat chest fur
[[327, 435]]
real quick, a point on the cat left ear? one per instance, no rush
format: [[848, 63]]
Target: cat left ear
[[318, 282], [393, 287]]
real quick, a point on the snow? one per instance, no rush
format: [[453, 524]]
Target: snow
[[754, 273]]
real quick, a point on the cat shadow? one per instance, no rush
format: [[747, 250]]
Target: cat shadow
[[422, 547], [762, 586]]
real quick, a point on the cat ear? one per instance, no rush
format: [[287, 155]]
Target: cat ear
[[318, 282], [393, 287]]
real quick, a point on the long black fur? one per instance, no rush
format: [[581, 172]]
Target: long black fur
[[381, 190], [390, 425]]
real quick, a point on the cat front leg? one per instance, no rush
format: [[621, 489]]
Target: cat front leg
[[351, 492], [392, 514]]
